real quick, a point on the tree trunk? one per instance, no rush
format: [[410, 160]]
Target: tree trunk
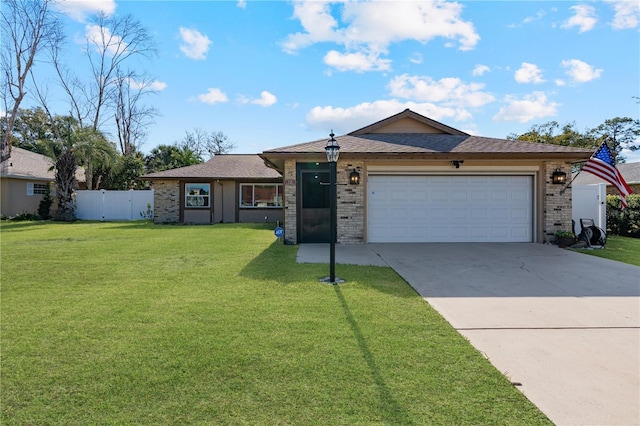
[[66, 182]]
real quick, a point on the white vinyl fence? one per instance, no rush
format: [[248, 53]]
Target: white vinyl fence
[[114, 205], [589, 202]]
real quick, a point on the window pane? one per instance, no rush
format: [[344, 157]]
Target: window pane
[[246, 196], [197, 195], [197, 189], [265, 195]]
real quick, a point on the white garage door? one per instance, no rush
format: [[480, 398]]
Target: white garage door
[[450, 209]]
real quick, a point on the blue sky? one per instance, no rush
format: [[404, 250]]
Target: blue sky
[[272, 74]]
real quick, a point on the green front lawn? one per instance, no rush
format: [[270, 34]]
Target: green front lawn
[[132, 323], [622, 249]]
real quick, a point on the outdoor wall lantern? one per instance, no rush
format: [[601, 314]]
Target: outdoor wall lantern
[[559, 177], [354, 177]]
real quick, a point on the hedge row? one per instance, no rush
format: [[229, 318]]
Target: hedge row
[[623, 222]]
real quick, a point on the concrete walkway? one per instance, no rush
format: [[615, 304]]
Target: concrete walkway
[[564, 325]]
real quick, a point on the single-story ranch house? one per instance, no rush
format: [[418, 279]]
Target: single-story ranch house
[[419, 181], [423, 181], [227, 188], [24, 178]]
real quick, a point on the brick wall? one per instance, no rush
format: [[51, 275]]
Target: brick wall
[[166, 201], [557, 205], [350, 210]]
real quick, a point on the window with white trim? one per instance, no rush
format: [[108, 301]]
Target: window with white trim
[[263, 195], [196, 195], [36, 188]]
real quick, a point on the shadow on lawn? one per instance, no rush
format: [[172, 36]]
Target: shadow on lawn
[[394, 412], [278, 263]]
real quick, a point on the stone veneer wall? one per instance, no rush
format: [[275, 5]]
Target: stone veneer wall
[[166, 201], [557, 206], [290, 207], [351, 203]]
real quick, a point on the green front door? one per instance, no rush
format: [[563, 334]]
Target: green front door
[[313, 202]]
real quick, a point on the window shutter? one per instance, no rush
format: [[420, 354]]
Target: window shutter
[[29, 188]]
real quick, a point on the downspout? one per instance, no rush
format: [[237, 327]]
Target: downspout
[[221, 201]]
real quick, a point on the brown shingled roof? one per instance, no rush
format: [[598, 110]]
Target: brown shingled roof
[[410, 143], [223, 166], [24, 164]]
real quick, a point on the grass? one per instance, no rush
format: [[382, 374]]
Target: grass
[[132, 323], [622, 249]]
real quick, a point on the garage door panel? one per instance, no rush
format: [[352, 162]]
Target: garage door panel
[[450, 208]]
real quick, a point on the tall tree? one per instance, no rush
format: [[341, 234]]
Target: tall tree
[[620, 133], [166, 157], [132, 116], [206, 144], [26, 28], [553, 133], [111, 42]]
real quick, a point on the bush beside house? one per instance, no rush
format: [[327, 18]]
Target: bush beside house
[[625, 222]]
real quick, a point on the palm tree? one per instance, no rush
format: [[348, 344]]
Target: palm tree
[[72, 147]]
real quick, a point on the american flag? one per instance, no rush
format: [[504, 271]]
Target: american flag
[[603, 165]]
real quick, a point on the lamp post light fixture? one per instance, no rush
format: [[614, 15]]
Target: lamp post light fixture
[[333, 152]]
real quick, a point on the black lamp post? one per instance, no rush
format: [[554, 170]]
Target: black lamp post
[[333, 152]]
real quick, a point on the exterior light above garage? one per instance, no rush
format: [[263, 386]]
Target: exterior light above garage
[[559, 177]]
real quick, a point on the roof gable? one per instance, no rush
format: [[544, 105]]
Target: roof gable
[[407, 122]]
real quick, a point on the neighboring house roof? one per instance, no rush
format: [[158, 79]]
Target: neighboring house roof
[[629, 171], [395, 136], [24, 164], [222, 166]]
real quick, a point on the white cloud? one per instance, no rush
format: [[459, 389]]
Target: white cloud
[[155, 85], [242, 4], [529, 73], [343, 120], [359, 61], [480, 70], [213, 96], [98, 36], [579, 71], [584, 18], [78, 10], [627, 14], [194, 44], [448, 91], [416, 58], [368, 28], [532, 106], [266, 99]]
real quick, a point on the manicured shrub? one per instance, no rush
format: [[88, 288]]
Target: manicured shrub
[[623, 222]]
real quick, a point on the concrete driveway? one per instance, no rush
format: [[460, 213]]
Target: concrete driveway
[[563, 326]]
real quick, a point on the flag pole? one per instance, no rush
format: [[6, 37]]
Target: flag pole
[[563, 190]]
